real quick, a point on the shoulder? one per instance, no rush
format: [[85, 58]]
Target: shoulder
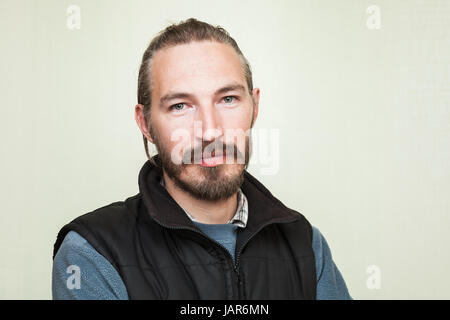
[[321, 250], [106, 224], [318, 239], [76, 250], [73, 242], [80, 272], [330, 282], [113, 214]]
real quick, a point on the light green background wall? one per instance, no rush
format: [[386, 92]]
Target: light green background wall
[[363, 116]]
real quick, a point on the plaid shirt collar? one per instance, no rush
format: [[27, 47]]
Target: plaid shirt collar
[[241, 216]]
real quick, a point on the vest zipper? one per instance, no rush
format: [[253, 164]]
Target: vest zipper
[[238, 252], [208, 239], [240, 284]]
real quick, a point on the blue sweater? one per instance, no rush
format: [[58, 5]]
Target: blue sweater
[[100, 280]]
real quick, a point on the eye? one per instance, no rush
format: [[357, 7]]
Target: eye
[[177, 107], [230, 99]]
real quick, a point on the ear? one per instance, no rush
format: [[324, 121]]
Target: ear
[[141, 122], [255, 95]]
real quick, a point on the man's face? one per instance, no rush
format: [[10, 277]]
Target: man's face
[[201, 116]]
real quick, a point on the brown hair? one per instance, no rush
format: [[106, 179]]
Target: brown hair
[[182, 33]]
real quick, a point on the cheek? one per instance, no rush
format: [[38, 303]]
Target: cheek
[[237, 130], [169, 128], [237, 119], [176, 140]]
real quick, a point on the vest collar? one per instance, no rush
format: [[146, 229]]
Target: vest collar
[[263, 207]]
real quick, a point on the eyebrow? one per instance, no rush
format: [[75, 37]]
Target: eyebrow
[[183, 95]]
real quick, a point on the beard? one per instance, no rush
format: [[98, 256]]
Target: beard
[[207, 183]]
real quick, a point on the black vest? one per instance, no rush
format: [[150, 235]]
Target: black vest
[[160, 254]]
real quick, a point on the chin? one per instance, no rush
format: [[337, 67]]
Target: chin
[[199, 173], [210, 183]]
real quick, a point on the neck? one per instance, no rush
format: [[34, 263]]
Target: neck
[[203, 211]]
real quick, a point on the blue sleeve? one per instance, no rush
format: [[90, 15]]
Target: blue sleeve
[[330, 283], [81, 273]]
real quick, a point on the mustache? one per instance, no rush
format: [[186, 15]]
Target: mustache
[[212, 149]]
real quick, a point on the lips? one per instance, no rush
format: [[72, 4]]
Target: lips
[[214, 154], [214, 160]]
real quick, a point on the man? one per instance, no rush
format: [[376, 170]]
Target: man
[[201, 227]]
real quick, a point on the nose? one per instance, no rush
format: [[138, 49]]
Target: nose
[[210, 119]]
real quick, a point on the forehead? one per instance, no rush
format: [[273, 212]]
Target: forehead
[[197, 66]]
